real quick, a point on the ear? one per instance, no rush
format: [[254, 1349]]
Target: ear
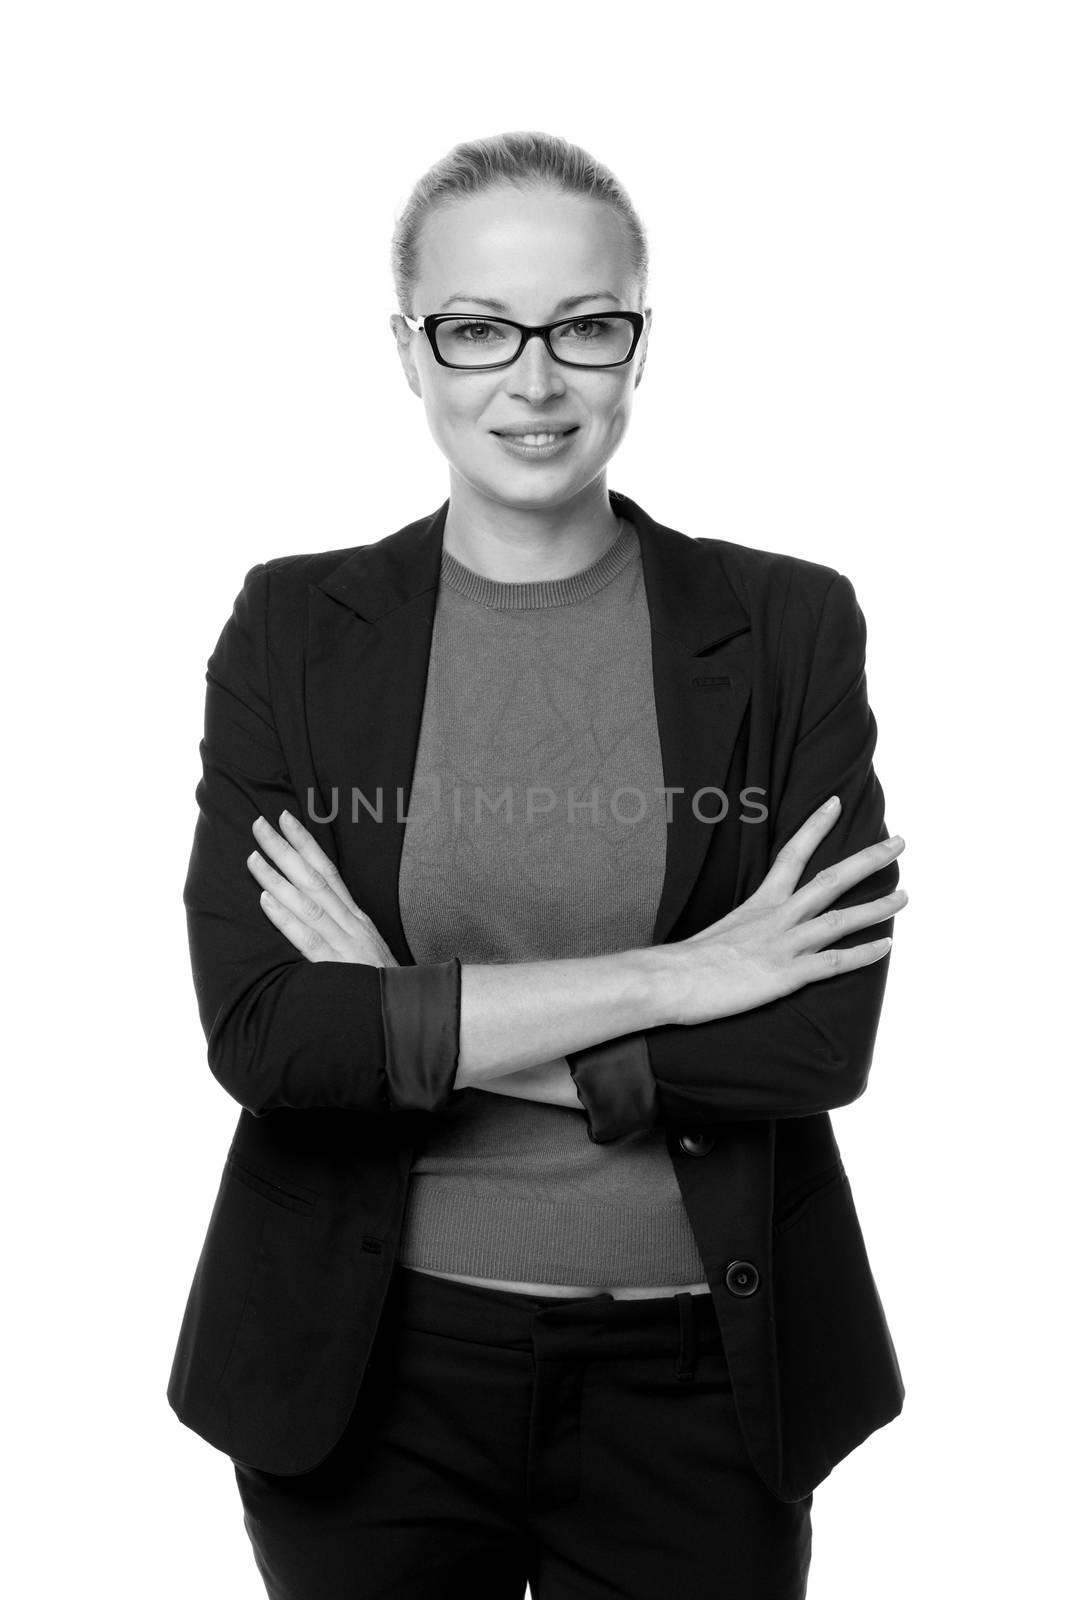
[[405, 340], [643, 350]]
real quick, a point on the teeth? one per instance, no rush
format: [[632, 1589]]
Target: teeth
[[539, 438]]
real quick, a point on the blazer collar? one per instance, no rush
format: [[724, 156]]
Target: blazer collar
[[689, 596]]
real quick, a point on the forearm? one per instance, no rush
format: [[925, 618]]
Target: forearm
[[524, 1014], [549, 1084]]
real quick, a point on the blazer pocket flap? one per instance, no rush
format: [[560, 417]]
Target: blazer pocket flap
[[793, 1206], [284, 1192]]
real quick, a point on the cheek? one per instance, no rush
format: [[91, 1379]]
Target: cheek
[[453, 408], [609, 399], [611, 410]]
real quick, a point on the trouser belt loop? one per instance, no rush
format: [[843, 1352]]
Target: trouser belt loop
[[685, 1366]]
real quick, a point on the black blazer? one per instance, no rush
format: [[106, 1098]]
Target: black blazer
[[317, 682]]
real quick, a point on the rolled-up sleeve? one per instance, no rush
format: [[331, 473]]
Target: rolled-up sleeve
[[420, 1014], [617, 1088]]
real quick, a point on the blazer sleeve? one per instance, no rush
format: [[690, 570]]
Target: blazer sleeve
[[283, 1031], [809, 1051], [617, 1088]]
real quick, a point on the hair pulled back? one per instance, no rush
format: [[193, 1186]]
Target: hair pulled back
[[522, 159]]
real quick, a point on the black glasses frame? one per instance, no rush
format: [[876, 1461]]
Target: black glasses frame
[[430, 324]]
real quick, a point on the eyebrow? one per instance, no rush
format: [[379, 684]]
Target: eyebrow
[[564, 305]]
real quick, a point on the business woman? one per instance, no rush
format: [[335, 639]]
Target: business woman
[[539, 909]]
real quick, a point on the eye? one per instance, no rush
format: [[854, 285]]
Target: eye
[[474, 332], [585, 329]]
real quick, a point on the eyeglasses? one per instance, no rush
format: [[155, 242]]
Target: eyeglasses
[[469, 343]]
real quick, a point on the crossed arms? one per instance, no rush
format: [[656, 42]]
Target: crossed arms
[[291, 1027]]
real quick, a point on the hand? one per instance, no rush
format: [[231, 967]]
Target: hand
[[307, 901], [772, 944]]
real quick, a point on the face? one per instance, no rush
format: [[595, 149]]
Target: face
[[533, 253]]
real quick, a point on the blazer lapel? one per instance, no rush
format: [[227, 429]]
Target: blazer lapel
[[370, 628], [702, 674]]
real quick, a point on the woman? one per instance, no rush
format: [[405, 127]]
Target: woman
[[534, 1259]]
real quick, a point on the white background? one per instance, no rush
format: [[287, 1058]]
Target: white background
[[858, 269]]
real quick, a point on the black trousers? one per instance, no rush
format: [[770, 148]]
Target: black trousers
[[589, 1447]]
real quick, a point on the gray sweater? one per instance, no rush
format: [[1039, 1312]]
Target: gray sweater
[[537, 829]]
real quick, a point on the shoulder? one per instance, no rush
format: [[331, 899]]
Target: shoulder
[[277, 587], [754, 572], [783, 593], [805, 618], [271, 598], [760, 567], [803, 613], [308, 566], [375, 571], [808, 608]]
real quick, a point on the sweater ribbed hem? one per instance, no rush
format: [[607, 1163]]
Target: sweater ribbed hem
[[447, 1229], [546, 592]]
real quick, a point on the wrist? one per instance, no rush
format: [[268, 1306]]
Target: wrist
[[657, 971]]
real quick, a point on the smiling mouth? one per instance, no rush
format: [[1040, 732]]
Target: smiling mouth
[[536, 438]]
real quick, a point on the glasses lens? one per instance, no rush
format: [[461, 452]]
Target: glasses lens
[[476, 341], [593, 341]]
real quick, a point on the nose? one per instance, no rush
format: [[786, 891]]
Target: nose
[[535, 375]]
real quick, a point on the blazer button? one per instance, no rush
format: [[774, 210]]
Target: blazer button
[[742, 1278], [697, 1143]]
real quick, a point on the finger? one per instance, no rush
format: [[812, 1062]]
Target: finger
[[308, 941], [300, 872], [317, 860], [360, 926], [788, 865], [821, 964], [829, 884], [837, 921], [304, 908]]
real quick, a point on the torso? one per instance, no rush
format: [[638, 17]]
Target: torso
[[569, 1291], [595, 743]]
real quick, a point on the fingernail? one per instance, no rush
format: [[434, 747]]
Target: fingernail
[[831, 804]]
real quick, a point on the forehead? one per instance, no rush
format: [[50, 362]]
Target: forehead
[[527, 248]]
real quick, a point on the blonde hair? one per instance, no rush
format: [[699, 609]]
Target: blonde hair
[[525, 160]]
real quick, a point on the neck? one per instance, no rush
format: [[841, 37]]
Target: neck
[[529, 544]]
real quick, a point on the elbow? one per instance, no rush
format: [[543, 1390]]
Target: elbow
[[845, 1081], [343, 1035], [302, 1037], [839, 1065], [239, 1060], [244, 1037], [842, 1017]]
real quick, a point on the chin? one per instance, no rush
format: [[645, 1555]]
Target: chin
[[539, 489], [533, 497]]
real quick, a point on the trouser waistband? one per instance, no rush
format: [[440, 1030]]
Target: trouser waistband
[[597, 1327]]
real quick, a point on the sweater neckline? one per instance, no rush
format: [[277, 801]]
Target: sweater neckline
[[501, 596]]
